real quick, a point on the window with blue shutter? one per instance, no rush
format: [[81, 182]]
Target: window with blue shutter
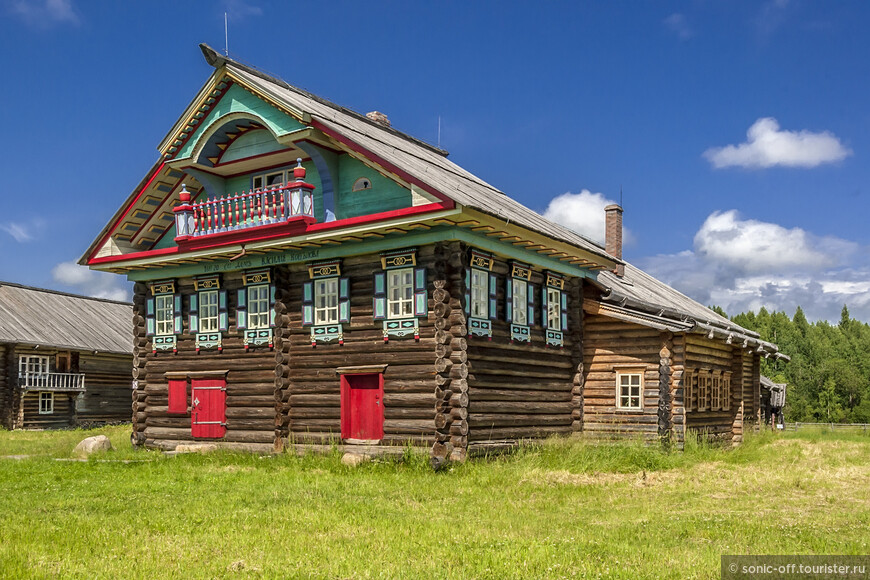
[[255, 309], [517, 302], [163, 318]]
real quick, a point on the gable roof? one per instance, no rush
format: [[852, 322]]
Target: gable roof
[[57, 319]]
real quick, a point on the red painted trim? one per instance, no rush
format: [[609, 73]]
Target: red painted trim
[[449, 203], [263, 233], [159, 207], [124, 215], [230, 82]]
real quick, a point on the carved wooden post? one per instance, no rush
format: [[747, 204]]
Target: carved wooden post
[[575, 324], [140, 359], [666, 423], [737, 396], [451, 366], [281, 280]]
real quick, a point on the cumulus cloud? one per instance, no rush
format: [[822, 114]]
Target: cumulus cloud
[[768, 146], [44, 13], [679, 25], [91, 283], [584, 213], [743, 265]]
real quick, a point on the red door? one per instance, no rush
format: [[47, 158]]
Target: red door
[[362, 410], [208, 402]]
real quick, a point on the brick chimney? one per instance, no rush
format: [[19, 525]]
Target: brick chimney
[[379, 118], [613, 234]]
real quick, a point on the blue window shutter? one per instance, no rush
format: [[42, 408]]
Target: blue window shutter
[[223, 322], [564, 311], [149, 317], [379, 303], [308, 303], [421, 299], [530, 317], [272, 305], [177, 304], [468, 291], [344, 300], [242, 308], [493, 297], [509, 300], [193, 314], [544, 309]]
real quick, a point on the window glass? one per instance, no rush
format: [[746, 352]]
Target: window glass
[[46, 403], [554, 309], [273, 179], [164, 314], [326, 301], [258, 306], [629, 395], [208, 311], [479, 293], [520, 302], [400, 293]]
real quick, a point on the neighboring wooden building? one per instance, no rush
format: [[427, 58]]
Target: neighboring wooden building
[[308, 274], [65, 360]]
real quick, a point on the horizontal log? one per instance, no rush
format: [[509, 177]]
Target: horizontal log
[[523, 407], [484, 420], [515, 433], [486, 394]]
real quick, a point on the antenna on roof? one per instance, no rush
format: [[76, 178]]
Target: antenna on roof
[[226, 37], [439, 131]]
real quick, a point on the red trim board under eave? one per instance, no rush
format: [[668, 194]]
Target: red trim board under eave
[[449, 203], [264, 233], [129, 207]]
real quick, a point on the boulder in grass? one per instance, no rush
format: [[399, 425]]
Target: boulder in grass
[[92, 445], [354, 459]]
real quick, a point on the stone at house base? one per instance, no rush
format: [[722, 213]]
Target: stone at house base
[[354, 459], [92, 445], [196, 448]]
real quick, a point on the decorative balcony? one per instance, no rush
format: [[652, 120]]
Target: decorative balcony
[[51, 381], [284, 204]]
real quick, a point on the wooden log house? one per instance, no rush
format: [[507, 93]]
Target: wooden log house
[[304, 273], [64, 360]]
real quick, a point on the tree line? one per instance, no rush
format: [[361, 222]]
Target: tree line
[[829, 373]]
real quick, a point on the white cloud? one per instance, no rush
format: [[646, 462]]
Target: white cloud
[[743, 265], [24, 231], [768, 146], [45, 13], [239, 9], [584, 213], [91, 283], [679, 25]]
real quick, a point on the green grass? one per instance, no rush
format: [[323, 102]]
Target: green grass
[[558, 509]]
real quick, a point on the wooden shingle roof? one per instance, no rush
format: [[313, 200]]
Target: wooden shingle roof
[[67, 321]]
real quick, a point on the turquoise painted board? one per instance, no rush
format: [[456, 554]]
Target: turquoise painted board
[[384, 195], [238, 100], [249, 144]]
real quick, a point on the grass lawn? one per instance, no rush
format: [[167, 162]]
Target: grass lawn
[[560, 509]]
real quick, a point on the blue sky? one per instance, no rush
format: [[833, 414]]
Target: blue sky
[[737, 131]]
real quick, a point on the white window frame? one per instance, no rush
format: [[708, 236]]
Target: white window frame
[[258, 307], [554, 309], [46, 396], [164, 305], [33, 364], [479, 307], [326, 300], [520, 302], [400, 293], [209, 311], [628, 374]]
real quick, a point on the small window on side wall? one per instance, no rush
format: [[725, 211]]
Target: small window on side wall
[[629, 389], [46, 403], [361, 184]]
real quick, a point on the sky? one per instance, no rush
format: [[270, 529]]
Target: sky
[[736, 134]]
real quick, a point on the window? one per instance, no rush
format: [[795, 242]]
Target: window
[[520, 299], [703, 389], [270, 180], [689, 391], [479, 293], [32, 365], [208, 311], [46, 403], [164, 314], [554, 309], [326, 301], [258, 307], [400, 299], [361, 184], [629, 390]]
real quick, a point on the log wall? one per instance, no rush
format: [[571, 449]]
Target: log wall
[[62, 417], [107, 389], [524, 390], [702, 352], [609, 344], [307, 382], [6, 408], [250, 380]]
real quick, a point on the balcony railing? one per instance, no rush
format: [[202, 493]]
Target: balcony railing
[[230, 213], [51, 381]]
